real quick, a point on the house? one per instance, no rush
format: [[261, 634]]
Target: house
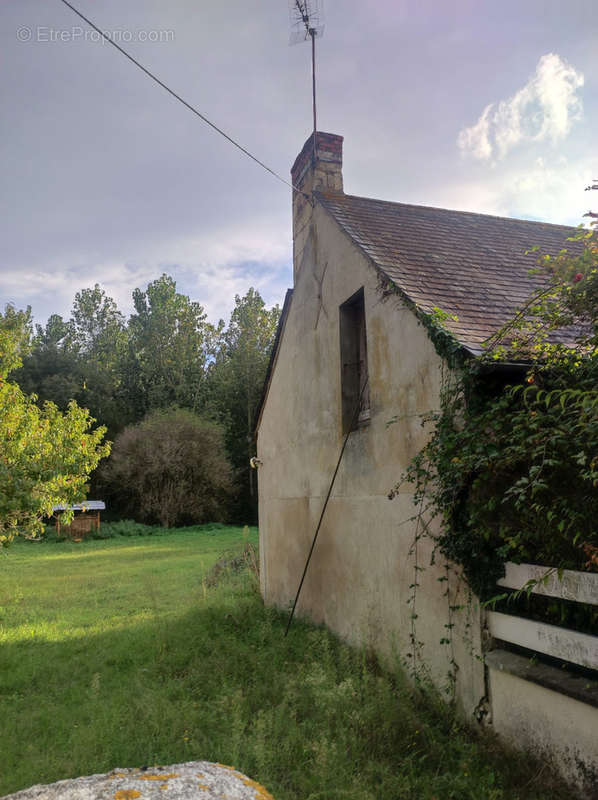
[[366, 274]]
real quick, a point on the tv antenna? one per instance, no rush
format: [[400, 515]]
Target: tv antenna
[[307, 22]]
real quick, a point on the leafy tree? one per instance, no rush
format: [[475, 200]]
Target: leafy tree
[[15, 337], [98, 337], [50, 369], [45, 456], [171, 468], [81, 359], [237, 379], [96, 323], [167, 355], [169, 343]]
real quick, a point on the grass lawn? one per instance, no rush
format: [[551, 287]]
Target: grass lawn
[[116, 653]]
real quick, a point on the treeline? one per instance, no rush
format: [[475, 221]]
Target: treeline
[[166, 355]]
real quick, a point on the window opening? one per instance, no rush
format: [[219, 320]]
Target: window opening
[[354, 362]]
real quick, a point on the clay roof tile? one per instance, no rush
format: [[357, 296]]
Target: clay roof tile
[[472, 266]]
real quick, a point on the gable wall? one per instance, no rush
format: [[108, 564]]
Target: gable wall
[[359, 577]]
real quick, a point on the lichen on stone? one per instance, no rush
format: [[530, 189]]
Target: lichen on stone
[[262, 792], [184, 781]]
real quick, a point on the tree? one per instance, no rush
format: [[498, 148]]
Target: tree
[[171, 468], [15, 337], [166, 356], [237, 380], [96, 324], [98, 338], [50, 369], [169, 342], [81, 359], [46, 456]]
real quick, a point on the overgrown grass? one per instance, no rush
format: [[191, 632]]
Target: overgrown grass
[[116, 653], [128, 527]]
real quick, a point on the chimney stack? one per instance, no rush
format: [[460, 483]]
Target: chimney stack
[[321, 170], [325, 171]]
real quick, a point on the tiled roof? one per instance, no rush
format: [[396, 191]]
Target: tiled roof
[[472, 266]]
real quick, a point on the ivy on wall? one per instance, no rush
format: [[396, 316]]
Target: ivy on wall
[[511, 466]]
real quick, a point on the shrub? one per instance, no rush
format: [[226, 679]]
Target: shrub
[[171, 468], [123, 527]]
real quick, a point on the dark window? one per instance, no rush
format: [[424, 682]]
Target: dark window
[[354, 363]]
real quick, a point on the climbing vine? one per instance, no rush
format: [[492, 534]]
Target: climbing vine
[[511, 467]]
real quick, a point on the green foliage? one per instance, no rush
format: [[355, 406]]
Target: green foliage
[[512, 473], [125, 527], [168, 348], [15, 338], [117, 654], [513, 478], [98, 339], [167, 354], [443, 340], [46, 456], [236, 382], [107, 530], [170, 468], [51, 370], [79, 359], [130, 528]]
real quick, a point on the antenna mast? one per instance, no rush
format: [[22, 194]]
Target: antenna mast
[[307, 23]]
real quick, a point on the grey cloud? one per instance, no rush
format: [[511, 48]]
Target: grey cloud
[[103, 177]]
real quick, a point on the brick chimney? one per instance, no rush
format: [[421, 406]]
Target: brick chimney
[[323, 171]]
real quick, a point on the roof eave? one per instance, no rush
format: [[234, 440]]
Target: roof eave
[[273, 358]]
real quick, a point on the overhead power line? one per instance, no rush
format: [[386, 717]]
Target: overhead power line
[[170, 91]]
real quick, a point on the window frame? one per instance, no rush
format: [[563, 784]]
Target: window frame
[[354, 362]]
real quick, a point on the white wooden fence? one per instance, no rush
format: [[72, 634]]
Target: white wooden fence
[[567, 645]]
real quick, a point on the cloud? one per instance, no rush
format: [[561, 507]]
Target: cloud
[[476, 140], [211, 267], [551, 190], [543, 110]]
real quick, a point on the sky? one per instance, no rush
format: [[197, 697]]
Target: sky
[[105, 178]]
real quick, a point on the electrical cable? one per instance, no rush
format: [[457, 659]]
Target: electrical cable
[[107, 38]]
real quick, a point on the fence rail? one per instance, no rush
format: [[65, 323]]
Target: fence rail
[[551, 640], [581, 587], [578, 648]]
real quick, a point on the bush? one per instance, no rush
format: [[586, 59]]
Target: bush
[[171, 468], [123, 527]]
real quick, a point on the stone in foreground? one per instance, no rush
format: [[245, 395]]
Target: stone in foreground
[[194, 780]]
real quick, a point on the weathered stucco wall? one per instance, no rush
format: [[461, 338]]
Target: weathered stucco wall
[[369, 579], [548, 723], [363, 565]]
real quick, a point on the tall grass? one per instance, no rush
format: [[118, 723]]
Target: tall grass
[[118, 653]]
